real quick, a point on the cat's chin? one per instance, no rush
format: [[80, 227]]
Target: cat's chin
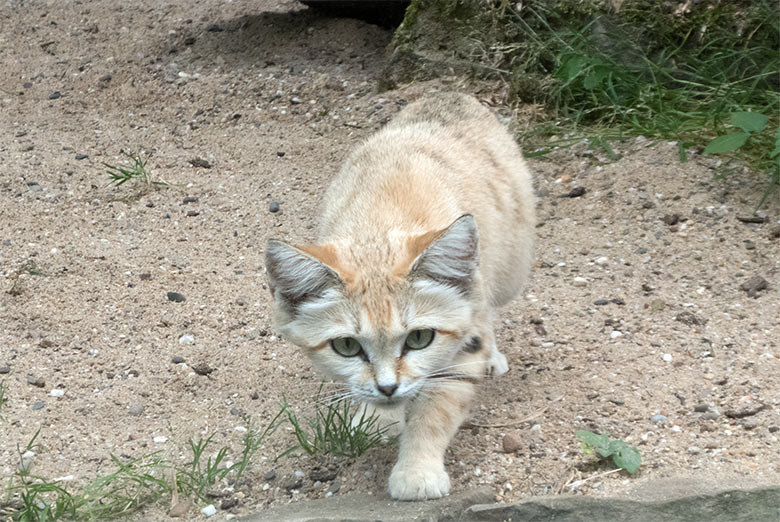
[[388, 402]]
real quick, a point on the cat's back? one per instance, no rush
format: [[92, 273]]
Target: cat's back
[[441, 157]]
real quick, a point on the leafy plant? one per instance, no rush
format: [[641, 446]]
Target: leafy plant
[[624, 455], [136, 171], [751, 126], [335, 429]]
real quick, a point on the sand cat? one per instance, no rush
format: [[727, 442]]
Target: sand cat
[[424, 232]]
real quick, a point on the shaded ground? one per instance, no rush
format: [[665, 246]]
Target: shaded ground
[[273, 97]]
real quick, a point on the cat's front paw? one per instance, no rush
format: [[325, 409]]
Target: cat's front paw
[[419, 482]]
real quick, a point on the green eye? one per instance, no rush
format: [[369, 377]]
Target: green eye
[[419, 339], [346, 346]]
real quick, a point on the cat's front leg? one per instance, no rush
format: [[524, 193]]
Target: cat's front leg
[[432, 420]]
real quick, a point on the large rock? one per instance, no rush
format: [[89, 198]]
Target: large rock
[[681, 500]]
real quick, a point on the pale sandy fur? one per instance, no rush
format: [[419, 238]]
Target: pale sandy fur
[[429, 225]]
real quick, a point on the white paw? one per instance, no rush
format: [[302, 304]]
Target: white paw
[[498, 364], [419, 482]]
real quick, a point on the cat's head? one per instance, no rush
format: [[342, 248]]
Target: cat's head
[[387, 322]]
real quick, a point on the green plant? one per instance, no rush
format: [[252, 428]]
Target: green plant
[[751, 126], [645, 70], [624, 455], [335, 429], [136, 171], [135, 484]]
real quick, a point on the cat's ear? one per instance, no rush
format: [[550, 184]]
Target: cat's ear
[[451, 258], [296, 276]]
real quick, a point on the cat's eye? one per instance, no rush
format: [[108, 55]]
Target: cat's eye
[[346, 346], [418, 339]]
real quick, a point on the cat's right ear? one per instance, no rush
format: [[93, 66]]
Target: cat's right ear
[[296, 276]]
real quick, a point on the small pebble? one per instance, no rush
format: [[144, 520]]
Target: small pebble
[[575, 192], [658, 418], [4, 370], [299, 474], [701, 408], [55, 95], [190, 199], [187, 339], [615, 334], [136, 410], [694, 450], [38, 405], [280, 154], [580, 281], [201, 163], [601, 302], [36, 381], [603, 260], [57, 392], [209, 510], [176, 297], [177, 359], [81, 156], [668, 357], [334, 488], [193, 213], [511, 443], [160, 439], [270, 475], [273, 207]]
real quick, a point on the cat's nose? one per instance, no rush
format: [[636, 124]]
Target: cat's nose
[[387, 390]]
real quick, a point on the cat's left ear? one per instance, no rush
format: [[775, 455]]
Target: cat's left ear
[[452, 257], [296, 276]]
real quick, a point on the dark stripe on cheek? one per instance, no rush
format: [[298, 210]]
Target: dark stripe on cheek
[[474, 345]]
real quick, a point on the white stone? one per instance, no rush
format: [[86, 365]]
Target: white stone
[[56, 392], [668, 357], [209, 510], [160, 439], [615, 334], [580, 281], [187, 339]]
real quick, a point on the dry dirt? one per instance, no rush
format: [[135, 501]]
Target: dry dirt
[[273, 97]]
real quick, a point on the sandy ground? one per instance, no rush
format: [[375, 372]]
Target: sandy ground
[[656, 343]]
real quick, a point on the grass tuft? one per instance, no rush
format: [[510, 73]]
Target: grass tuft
[[340, 429], [135, 171], [134, 485]]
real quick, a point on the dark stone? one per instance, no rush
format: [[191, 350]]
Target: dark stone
[[228, 503], [214, 28], [751, 219], [201, 163], [323, 474], [177, 359], [334, 487], [176, 297], [4, 370], [671, 219], [749, 245], [81, 156], [745, 412], [575, 192], [55, 95], [474, 345], [193, 213], [145, 276], [618, 301], [754, 285], [292, 482], [190, 199], [202, 369], [690, 318], [254, 396], [36, 381], [701, 408], [601, 302], [38, 405], [273, 207], [280, 154]]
